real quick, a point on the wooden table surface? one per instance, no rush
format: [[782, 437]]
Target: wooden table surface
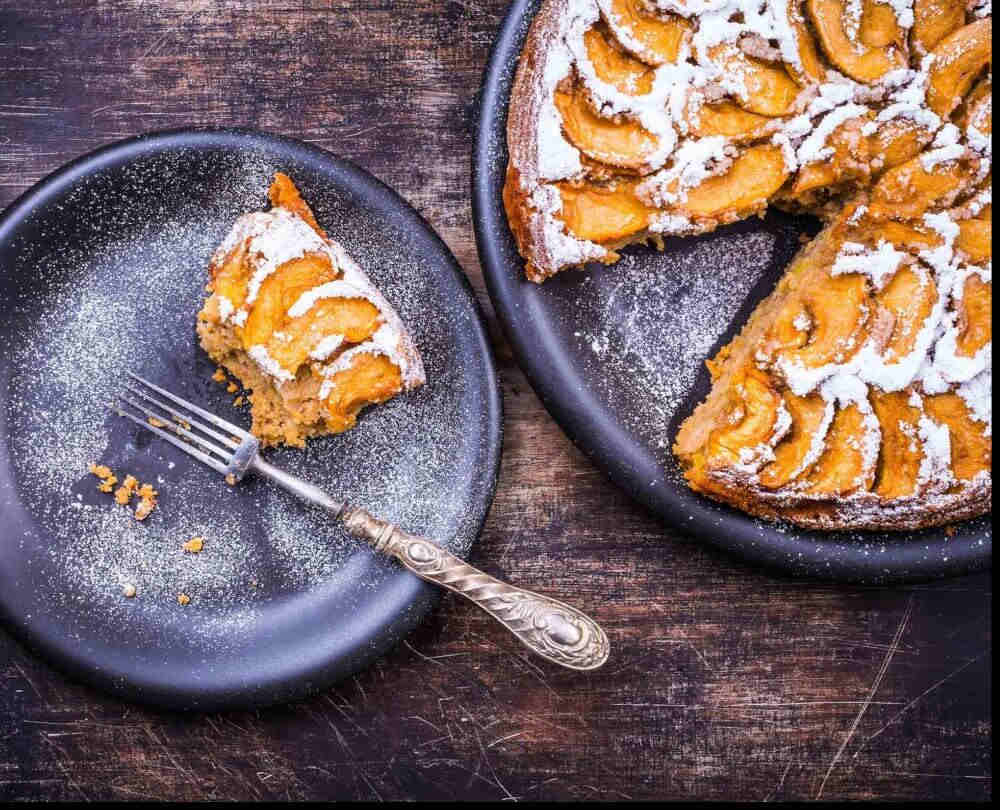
[[726, 682]]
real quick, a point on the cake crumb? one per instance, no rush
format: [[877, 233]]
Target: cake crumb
[[183, 598], [194, 545], [108, 484], [238, 401], [124, 493], [231, 480], [220, 375], [232, 388], [101, 471], [147, 501], [156, 422], [128, 591], [950, 531]]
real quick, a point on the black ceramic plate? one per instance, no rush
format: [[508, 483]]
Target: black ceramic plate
[[102, 269], [616, 354]]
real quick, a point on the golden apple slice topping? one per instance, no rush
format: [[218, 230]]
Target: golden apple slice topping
[[849, 160], [844, 466], [840, 38], [728, 119], [764, 88], [656, 40], [933, 20], [279, 291], [910, 190], [811, 68], [879, 27], [974, 309], [753, 177], [352, 320], [971, 447], [603, 214], [900, 454], [747, 422], [810, 420], [957, 60], [368, 380], [612, 65], [625, 144], [838, 314], [975, 239], [909, 298], [897, 141]]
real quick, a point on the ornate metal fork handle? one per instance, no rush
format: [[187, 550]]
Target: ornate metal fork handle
[[550, 628]]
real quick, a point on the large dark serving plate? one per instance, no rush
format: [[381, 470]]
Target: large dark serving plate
[[102, 269], [616, 354]]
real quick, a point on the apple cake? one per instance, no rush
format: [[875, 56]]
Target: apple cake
[[858, 394], [294, 318]]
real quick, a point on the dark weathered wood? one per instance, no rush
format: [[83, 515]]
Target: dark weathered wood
[[725, 681]]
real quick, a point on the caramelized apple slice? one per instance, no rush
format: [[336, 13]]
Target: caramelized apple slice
[[368, 380], [849, 160], [279, 291], [908, 191], [627, 144], [975, 328], [747, 422], [230, 279], [933, 20], [905, 236], [900, 453], [971, 450], [909, 296], [766, 89], [655, 40], [729, 119], [354, 319], [812, 69], [839, 313], [975, 239], [897, 141], [958, 59], [841, 469], [615, 67], [808, 414], [861, 62], [751, 180], [879, 27], [603, 214], [977, 108]]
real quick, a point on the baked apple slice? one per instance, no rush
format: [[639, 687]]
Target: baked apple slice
[[728, 119], [908, 191], [612, 65], [908, 297], [809, 415], [625, 144], [765, 88], [971, 448], [656, 40], [975, 309], [754, 176], [866, 63], [843, 468], [603, 214], [958, 60], [933, 20], [900, 454]]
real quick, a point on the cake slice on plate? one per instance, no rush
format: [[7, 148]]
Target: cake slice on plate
[[295, 319]]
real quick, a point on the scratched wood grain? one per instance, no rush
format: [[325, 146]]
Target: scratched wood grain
[[725, 683]]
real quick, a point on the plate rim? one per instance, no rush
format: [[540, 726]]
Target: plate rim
[[819, 555], [416, 598]]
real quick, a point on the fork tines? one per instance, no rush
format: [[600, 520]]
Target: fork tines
[[178, 424]]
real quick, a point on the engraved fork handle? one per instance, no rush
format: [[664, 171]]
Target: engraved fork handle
[[548, 627], [551, 628]]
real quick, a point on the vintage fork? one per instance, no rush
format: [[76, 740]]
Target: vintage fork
[[551, 628]]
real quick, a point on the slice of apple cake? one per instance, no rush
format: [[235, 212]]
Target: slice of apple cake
[[295, 319]]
